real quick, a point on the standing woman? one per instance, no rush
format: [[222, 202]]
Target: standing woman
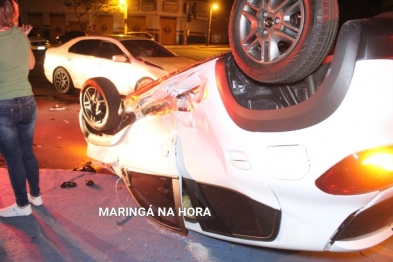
[[18, 111]]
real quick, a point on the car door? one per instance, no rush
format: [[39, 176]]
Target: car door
[[124, 74], [217, 162], [80, 61], [120, 73], [148, 161]]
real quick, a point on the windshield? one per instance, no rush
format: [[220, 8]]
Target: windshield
[[146, 48], [33, 34]]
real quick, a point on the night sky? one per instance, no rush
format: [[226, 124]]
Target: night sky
[[356, 9], [348, 8]]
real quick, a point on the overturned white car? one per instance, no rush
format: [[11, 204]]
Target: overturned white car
[[301, 164]]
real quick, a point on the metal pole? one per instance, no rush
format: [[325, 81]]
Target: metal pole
[[125, 17], [209, 27], [186, 23]]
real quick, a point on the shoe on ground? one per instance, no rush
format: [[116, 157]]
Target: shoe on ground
[[37, 201], [15, 211]]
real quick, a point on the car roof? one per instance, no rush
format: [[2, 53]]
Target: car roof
[[118, 37], [122, 36], [138, 32], [110, 38]]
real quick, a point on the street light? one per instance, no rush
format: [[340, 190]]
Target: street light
[[123, 3], [213, 7]]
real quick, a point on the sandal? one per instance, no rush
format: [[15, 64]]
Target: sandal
[[68, 184]]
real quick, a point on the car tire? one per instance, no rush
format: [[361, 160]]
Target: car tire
[[100, 102], [62, 81], [281, 44], [142, 82]]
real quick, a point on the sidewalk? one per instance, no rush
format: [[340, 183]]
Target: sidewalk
[[68, 228]]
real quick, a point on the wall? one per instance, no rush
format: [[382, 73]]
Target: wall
[[166, 19]]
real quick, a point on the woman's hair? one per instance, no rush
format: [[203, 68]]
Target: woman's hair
[[8, 13]]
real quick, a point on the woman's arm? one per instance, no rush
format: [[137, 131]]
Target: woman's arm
[[31, 60], [26, 29]]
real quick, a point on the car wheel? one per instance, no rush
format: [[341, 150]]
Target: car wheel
[[281, 41], [63, 82], [100, 101], [142, 82]]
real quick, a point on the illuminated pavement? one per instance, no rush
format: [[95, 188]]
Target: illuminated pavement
[[68, 226]]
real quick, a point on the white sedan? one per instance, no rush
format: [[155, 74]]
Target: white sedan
[[127, 62]]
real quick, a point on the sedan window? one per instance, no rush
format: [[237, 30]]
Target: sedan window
[[146, 48], [84, 47], [108, 50]]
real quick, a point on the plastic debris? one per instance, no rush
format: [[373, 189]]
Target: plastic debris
[[88, 168], [58, 108]]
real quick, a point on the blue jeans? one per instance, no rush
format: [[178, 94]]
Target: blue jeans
[[17, 123]]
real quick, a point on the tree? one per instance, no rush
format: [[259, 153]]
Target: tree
[[90, 8]]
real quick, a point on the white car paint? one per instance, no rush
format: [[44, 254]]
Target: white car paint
[[204, 146], [200, 141], [124, 74]]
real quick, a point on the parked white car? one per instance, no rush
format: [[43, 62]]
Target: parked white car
[[127, 62], [141, 34]]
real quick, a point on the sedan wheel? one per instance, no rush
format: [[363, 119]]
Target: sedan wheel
[[281, 41], [63, 82], [100, 101], [142, 82]]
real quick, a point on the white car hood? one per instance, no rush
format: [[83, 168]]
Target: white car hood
[[169, 64]]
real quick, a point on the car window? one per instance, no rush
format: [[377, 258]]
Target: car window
[[33, 34], [84, 47], [147, 48], [142, 35], [76, 33], [108, 50]]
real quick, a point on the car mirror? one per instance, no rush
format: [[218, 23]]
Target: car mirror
[[119, 58]]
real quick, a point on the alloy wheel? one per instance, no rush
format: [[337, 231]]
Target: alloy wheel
[[271, 28]]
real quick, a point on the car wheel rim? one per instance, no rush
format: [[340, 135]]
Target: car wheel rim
[[62, 81], [270, 29], [143, 82], [94, 105]]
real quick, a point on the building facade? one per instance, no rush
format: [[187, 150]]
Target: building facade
[[170, 21]]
